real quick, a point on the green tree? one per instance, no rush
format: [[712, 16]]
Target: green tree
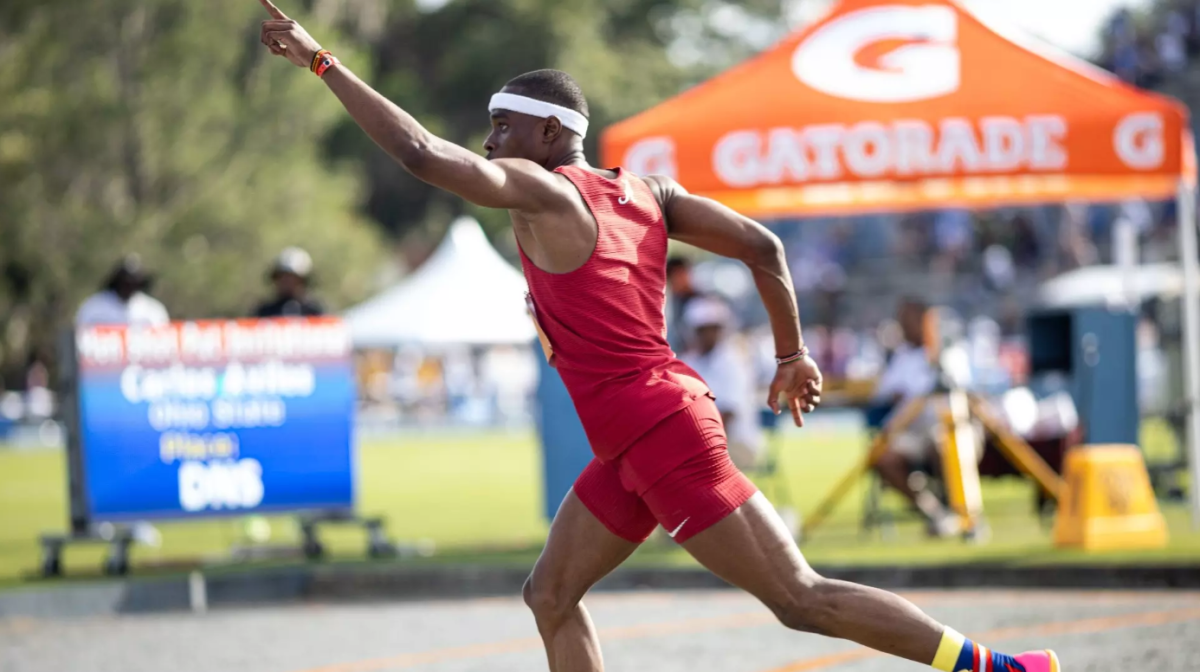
[[161, 127]]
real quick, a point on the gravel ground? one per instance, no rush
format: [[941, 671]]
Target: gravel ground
[[665, 632]]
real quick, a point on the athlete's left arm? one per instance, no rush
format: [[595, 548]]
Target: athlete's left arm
[[716, 228], [513, 184]]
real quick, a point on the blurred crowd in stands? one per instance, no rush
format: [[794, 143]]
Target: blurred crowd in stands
[[851, 272], [1148, 52]]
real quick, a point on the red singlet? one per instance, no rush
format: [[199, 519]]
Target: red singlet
[[604, 321]]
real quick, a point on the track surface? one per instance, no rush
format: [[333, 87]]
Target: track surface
[[719, 631]]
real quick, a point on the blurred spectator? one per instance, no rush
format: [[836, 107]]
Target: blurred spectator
[[761, 344], [1120, 29], [1122, 39], [1011, 318], [908, 376], [510, 376], [1013, 354], [843, 345], [1075, 246], [890, 337], [1171, 51], [405, 382], [820, 348], [988, 373], [998, 267], [1153, 380], [829, 290], [914, 241], [123, 299], [1178, 24], [1024, 245], [726, 369], [290, 276], [39, 400], [1138, 212], [1162, 243], [680, 291], [841, 244], [1194, 29], [954, 235], [36, 372]]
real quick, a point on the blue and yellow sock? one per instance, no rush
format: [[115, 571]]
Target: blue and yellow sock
[[959, 654]]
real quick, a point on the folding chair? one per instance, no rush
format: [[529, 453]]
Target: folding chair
[[875, 515]]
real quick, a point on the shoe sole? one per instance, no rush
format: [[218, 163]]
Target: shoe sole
[[1054, 666]]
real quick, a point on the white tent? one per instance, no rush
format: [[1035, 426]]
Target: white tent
[[466, 293], [1111, 285]]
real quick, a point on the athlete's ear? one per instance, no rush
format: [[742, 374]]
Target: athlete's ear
[[551, 130]]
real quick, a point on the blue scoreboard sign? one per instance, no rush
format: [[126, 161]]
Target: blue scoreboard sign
[[199, 419]]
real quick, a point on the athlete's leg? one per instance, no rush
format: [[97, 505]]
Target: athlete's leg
[[752, 549], [580, 551]]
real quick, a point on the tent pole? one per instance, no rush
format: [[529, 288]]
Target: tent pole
[[1186, 215]]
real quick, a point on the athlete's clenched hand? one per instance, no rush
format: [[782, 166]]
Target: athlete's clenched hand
[[799, 383], [285, 37]]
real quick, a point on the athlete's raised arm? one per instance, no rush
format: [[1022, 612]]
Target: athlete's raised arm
[[514, 184], [716, 228]]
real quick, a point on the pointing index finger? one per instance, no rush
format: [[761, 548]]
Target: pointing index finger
[[273, 10]]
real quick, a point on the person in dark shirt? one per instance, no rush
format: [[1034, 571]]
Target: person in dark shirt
[[290, 276]]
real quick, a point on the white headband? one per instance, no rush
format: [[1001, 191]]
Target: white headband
[[540, 108]]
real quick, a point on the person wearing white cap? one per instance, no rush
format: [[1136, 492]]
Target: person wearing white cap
[[290, 275], [715, 355]]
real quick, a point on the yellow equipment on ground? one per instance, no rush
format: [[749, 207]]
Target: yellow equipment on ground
[[1108, 503]]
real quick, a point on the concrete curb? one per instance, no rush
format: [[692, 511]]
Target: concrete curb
[[392, 582], [128, 596]]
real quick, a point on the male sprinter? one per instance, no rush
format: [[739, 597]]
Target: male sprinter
[[593, 244]]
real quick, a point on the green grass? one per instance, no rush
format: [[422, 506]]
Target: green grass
[[478, 497]]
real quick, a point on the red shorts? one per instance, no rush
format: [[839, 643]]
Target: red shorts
[[677, 475]]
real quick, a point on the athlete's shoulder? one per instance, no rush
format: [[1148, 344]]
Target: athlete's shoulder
[[547, 189], [665, 190], [664, 187]]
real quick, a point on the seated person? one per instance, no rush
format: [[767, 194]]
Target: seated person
[[909, 375]]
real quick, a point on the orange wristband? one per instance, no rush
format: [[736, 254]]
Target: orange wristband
[[312, 67], [324, 62]]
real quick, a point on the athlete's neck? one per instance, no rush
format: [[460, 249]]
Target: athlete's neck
[[571, 156]]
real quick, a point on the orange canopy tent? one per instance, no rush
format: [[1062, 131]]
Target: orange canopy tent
[[905, 104], [912, 104]]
